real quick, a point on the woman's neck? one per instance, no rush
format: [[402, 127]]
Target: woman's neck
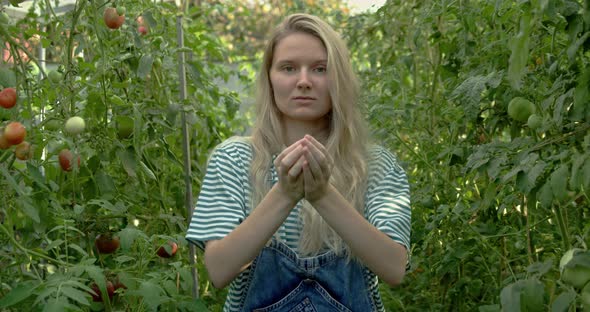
[[296, 131]]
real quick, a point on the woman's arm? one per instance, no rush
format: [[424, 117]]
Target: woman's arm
[[382, 255], [379, 252], [227, 257]]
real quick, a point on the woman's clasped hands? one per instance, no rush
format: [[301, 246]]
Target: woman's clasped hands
[[304, 169]]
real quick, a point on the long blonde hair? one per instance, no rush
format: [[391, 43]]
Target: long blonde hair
[[346, 143]]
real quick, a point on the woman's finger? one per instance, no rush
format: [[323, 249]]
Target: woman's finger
[[316, 143], [295, 170], [290, 159], [313, 164], [285, 152]]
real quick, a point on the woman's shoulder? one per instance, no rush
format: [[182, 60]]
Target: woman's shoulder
[[382, 160], [235, 146]]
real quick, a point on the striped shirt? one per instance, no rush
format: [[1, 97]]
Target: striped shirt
[[224, 202]]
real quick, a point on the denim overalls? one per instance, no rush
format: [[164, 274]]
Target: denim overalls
[[281, 281]]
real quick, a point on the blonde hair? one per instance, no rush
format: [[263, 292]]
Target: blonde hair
[[347, 139]]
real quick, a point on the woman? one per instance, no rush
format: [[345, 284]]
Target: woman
[[304, 215]]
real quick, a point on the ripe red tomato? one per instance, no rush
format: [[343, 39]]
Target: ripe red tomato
[[8, 98], [162, 252], [3, 142], [142, 30], [107, 243], [112, 19], [65, 159], [15, 133], [23, 151], [97, 296]]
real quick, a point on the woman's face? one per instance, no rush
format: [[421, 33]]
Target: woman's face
[[299, 79]]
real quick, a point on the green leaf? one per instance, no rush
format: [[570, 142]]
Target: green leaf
[[490, 308], [36, 175], [147, 171], [559, 179], [76, 295], [510, 298], [11, 180], [532, 295], [577, 172], [145, 66], [586, 174], [28, 208], [105, 183], [7, 78], [519, 47], [573, 48], [18, 294], [128, 160], [59, 305], [563, 301], [152, 294], [128, 235]]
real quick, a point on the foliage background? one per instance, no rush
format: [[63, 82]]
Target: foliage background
[[495, 203]]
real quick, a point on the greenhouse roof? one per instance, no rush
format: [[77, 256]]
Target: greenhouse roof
[[59, 7]]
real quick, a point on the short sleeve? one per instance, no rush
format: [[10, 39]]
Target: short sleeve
[[388, 199], [220, 205]]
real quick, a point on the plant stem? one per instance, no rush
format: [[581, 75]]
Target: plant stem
[[562, 227], [28, 251]]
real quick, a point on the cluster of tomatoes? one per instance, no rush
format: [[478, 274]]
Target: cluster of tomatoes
[[108, 243], [14, 133], [114, 18]]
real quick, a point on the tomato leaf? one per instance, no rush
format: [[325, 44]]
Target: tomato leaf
[[519, 46], [128, 160], [559, 179], [145, 66], [28, 208], [563, 301], [18, 294], [128, 235], [510, 298], [75, 294]]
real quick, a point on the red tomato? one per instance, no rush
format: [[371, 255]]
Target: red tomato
[[106, 243], [3, 142], [112, 19], [23, 151], [65, 159], [8, 98], [15, 133], [162, 252], [97, 296]]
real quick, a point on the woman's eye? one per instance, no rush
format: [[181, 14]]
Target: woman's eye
[[288, 68], [320, 69]]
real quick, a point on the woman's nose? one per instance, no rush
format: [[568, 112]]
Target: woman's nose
[[303, 82]]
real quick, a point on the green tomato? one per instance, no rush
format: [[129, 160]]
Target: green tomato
[[535, 121], [52, 125], [4, 18], [54, 76], [75, 125], [121, 10], [576, 276], [125, 126], [520, 109]]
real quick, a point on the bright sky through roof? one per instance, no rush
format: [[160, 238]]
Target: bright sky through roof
[[363, 5]]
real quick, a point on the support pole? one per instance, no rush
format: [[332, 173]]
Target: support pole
[[186, 149]]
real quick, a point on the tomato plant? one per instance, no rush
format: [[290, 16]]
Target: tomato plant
[[103, 95]]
